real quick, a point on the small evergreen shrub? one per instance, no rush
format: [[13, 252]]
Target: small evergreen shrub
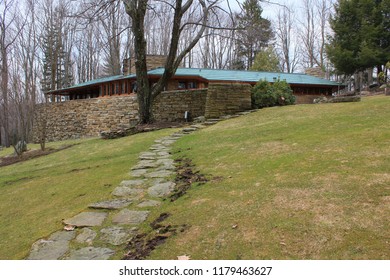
[[265, 94]]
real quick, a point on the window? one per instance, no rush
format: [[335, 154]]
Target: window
[[192, 85], [182, 85], [134, 87]]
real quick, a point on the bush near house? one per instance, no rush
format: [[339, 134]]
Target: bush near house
[[265, 94]]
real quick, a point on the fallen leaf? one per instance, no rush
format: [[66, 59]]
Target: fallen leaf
[[69, 228], [234, 226]]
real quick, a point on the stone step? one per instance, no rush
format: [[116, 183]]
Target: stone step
[[210, 123], [87, 219], [111, 204], [129, 217], [126, 191]]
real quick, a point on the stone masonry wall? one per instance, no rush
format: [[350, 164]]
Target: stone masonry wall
[[88, 117], [171, 106], [225, 99]]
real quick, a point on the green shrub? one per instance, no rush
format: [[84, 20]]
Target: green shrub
[[265, 94]]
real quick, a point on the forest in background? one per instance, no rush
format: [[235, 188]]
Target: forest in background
[[51, 44]]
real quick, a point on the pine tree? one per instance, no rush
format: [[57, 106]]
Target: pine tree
[[361, 37], [266, 60], [57, 65], [254, 32]]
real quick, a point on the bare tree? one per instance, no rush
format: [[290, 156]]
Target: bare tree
[[287, 48], [8, 36], [25, 71], [111, 24], [137, 9], [314, 28]]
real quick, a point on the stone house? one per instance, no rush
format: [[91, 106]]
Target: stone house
[[110, 103]]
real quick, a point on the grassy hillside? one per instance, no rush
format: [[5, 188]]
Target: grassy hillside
[[299, 182], [37, 194]]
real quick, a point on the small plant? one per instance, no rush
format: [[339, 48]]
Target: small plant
[[19, 144], [265, 94]]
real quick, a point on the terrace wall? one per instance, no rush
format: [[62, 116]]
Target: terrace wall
[[86, 117], [89, 117], [225, 99]]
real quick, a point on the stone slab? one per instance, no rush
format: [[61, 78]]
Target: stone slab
[[129, 217], [149, 203], [87, 219], [132, 183], [125, 191], [86, 235], [116, 235], [145, 164], [138, 173], [53, 248], [111, 204], [190, 129], [162, 189], [91, 253], [159, 174], [148, 154]]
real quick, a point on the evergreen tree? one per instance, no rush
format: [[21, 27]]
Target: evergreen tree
[[361, 37], [266, 60], [254, 32], [57, 65]]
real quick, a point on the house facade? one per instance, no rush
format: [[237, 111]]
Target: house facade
[[110, 103], [305, 87]]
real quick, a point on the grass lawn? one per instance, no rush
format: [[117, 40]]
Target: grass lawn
[[37, 194], [297, 182]]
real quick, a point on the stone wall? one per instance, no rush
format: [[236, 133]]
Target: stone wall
[[152, 62], [87, 117], [171, 106], [225, 99]]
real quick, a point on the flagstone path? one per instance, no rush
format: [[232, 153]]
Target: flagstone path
[[111, 223], [152, 180]]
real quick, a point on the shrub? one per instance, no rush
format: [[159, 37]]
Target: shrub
[[265, 94]]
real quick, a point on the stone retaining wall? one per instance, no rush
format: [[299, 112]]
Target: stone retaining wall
[[171, 106], [87, 117], [225, 99]]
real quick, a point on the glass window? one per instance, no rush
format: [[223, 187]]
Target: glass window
[[182, 85], [192, 85]]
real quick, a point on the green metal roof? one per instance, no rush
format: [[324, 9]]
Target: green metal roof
[[96, 82], [247, 76], [218, 75]]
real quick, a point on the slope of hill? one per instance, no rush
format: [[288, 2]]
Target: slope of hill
[[298, 182]]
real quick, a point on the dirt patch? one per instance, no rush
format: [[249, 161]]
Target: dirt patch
[[8, 160], [141, 245], [185, 177]]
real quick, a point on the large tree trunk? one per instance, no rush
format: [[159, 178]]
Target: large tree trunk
[[136, 9]]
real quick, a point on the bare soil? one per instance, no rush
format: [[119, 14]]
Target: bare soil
[[141, 245], [9, 160]]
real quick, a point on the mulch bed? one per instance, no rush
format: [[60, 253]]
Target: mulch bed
[[8, 160]]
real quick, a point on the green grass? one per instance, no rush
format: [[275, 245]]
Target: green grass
[[36, 195], [300, 182]]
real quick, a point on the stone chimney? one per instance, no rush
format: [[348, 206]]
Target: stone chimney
[[316, 72], [152, 62]]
